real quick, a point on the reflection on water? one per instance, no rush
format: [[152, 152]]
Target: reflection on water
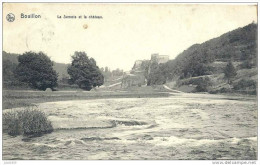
[[183, 127]]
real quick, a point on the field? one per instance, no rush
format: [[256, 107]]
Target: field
[[125, 125]]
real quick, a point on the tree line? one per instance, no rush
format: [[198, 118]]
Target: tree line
[[36, 71], [111, 74]]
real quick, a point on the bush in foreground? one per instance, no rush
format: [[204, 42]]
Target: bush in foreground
[[26, 122]]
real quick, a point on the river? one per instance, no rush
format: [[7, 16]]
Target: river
[[182, 126]]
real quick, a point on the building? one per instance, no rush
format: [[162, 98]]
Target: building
[[160, 59], [136, 77], [137, 65]]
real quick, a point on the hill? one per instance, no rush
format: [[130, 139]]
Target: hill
[[239, 45], [12, 57], [61, 69], [210, 58]]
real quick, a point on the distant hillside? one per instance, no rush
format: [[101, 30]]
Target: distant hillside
[[201, 67], [239, 45], [61, 69], [12, 58]]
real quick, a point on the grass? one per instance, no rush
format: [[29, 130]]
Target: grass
[[29, 121], [14, 98]]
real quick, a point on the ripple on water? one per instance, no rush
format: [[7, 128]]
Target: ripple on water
[[161, 128]]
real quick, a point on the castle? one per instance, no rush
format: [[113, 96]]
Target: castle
[[160, 59], [136, 77]]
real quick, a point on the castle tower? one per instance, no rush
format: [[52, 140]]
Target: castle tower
[[159, 58], [154, 57]]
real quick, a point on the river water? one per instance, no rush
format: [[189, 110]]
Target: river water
[[182, 126]]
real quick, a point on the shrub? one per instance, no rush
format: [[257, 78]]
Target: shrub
[[225, 90], [246, 86], [243, 84], [230, 72], [221, 90], [203, 84], [26, 122]]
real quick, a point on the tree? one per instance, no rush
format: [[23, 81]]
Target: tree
[[36, 69], [84, 72], [117, 72], [203, 84], [249, 57], [155, 76], [230, 72]]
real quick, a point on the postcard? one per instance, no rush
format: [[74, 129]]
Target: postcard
[[130, 81]]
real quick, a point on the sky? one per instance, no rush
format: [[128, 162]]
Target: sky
[[126, 32]]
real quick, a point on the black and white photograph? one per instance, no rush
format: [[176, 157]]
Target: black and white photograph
[[130, 81]]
